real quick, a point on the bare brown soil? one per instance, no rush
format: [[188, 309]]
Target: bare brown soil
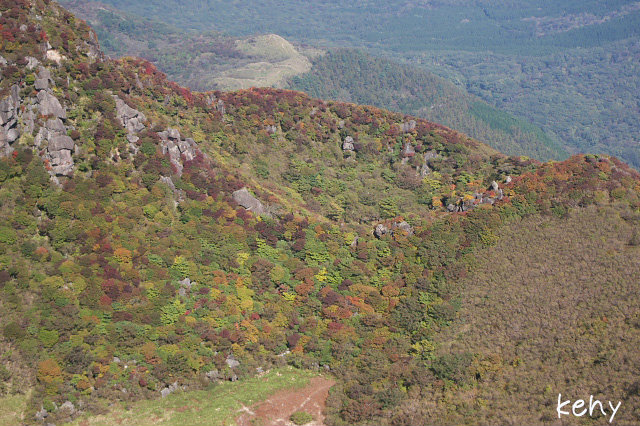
[[275, 410]]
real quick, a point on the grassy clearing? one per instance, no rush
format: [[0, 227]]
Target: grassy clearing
[[219, 405], [11, 409]]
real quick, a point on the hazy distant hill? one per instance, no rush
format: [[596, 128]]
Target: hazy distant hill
[[201, 61], [570, 67], [214, 61], [349, 75]]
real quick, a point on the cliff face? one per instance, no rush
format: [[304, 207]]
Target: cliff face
[[152, 238]]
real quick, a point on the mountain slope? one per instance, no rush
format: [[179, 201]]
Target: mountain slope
[[152, 238], [354, 76], [214, 61], [199, 60], [570, 67]]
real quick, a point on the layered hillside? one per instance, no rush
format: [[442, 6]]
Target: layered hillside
[[351, 75], [570, 67], [153, 239], [208, 61], [199, 60]]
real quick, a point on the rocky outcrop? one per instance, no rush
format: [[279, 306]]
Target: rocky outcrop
[[397, 228], [68, 407], [185, 286], [9, 132], [131, 119], [347, 144], [380, 231], [177, 148], [407, 126], [232, 362], [408, 150], [249, 202], [165, 392], [44, 80], [32, 62], [212, 375], [402, 226], [41, 415], [59, 147], [49, 105]]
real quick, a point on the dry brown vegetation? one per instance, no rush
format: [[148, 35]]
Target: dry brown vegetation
[[548, 314]]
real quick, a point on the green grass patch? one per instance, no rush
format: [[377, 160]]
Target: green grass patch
[[11, 409], [218, 405]]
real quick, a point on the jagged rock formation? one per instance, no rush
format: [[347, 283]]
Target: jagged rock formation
[[177, 148], [8, 121], [131, 119]]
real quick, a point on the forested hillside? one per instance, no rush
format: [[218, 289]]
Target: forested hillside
[[353, 76], [154, 240], [587, 97], [215, 61], [199, 60], [569, 67]]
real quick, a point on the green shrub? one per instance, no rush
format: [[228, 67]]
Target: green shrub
[[13, 331], [452, 367], [301, 418]]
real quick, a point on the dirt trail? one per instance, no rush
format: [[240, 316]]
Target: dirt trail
[[275, 410]]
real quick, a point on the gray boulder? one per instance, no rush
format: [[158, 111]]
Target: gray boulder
[[173, 134], [248, 201], [187, 283], [61, 162], [44, 80], [41, 84], [169, 147], [165, 392], [380, 230], [131, 119], [347, 145], [55, 125], [408, 150], [68, 406], [60, 142], [187, 148], [49, 105], [12, 135], [9, 106], [41, 414], [232, 362], [32, 62], [403, 226]]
